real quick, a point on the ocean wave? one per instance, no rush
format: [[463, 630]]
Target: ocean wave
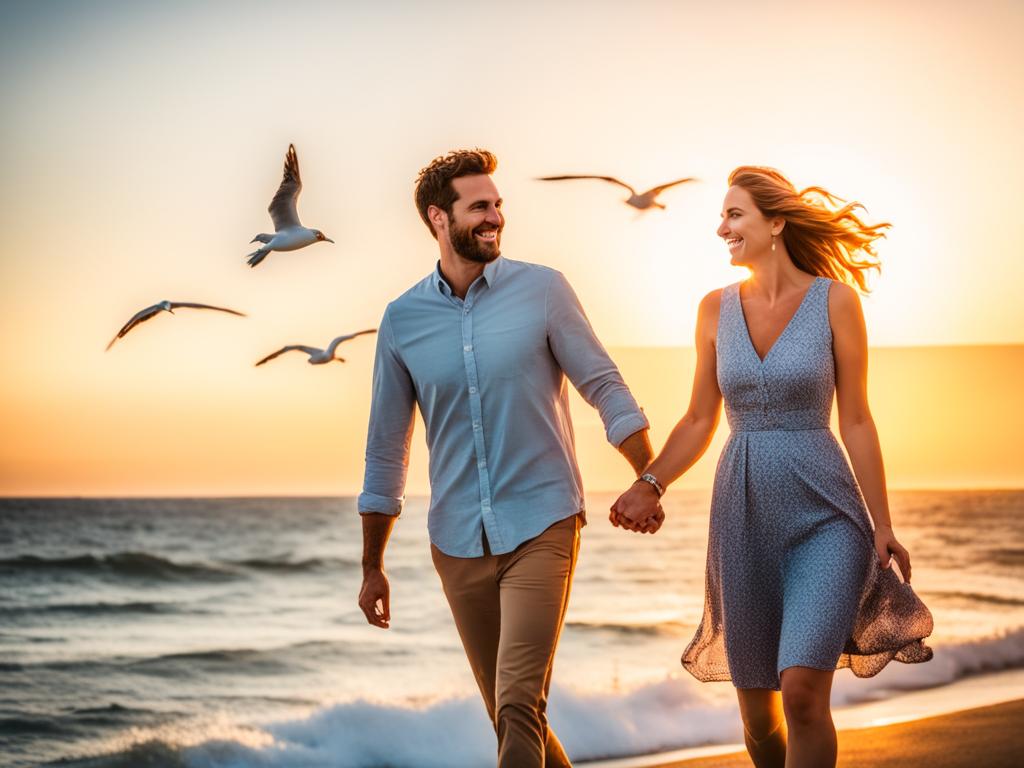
[[298, 566], [96, 609], [660, 629], [1006, 555], [30, 725], [78, 721], [12, 638], [114, 710], [281, 659], [142, 565], [974, 597], [234, 661], [952, 662], [673, 713], [237, 662], [139, 565]]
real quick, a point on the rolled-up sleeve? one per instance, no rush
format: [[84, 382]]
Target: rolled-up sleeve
[[588, 366], [390, 432]]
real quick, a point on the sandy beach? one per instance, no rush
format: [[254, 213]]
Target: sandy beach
[[988, 736]]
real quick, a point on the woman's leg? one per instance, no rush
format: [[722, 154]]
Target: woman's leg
[[764, 726], [812, 735], [824, 578]]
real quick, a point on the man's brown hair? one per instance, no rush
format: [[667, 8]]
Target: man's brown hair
[[434, 185]]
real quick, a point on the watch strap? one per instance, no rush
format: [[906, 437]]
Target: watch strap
[[647, 477]]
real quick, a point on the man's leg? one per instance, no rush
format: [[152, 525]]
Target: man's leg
[[535, 582], [471, 586]]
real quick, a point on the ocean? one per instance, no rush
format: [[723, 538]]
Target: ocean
[[224, 632]]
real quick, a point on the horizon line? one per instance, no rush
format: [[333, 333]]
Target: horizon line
[[937, 345], [913, 489]]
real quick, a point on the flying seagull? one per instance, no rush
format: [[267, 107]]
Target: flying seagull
[[317, 356], [164, 306], [641, 202], [289, 234]]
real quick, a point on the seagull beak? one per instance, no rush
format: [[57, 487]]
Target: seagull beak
[[328, 239]]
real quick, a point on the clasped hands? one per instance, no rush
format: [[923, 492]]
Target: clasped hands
[[638, 509]]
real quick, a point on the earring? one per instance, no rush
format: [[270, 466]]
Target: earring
[[773, 242]]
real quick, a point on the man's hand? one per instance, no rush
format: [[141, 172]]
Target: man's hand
[[638, 510], [375, 598], [375, 589]]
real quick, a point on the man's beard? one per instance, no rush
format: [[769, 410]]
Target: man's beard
[[466, 245]]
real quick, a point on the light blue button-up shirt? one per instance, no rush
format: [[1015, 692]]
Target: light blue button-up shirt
[[488, 373]]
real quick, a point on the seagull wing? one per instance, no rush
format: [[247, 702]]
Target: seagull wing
[[334, 344], [289, 348], [282, 208], [612, 179], [139, 317], [176, 304], [655, 191]]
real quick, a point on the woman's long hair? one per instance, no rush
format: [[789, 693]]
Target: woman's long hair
[[822, 237]]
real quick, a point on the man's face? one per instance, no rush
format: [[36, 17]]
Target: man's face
[[474, 228]]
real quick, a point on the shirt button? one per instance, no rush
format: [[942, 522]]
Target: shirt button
[[472, 390], [482, 464], [465, 311], [468, 348], [476, 425]]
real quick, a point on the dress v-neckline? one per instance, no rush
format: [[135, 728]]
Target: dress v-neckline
[[746, 327]]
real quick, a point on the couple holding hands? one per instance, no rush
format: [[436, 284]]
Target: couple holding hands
[[798, 578]]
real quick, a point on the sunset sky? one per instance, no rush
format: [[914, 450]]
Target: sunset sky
[[142, 142]]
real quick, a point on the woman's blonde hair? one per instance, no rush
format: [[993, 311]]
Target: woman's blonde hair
[[822, 238]]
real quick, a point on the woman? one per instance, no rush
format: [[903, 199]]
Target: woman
[[798, 578]]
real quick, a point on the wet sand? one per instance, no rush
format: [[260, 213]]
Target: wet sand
[[990, 737]]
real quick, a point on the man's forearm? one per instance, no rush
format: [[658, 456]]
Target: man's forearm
[[637, 450], [376, 530]]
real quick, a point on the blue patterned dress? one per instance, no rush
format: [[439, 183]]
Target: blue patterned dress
[[792, 575]]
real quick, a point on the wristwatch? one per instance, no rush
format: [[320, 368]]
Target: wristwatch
[[647, 477]]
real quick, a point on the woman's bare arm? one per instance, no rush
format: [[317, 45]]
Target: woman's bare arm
[[856, 425]]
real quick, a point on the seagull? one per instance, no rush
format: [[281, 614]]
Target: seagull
[[164, 306], [318, 356], [289, 234], [641, 202]]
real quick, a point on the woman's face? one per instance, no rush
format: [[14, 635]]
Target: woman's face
[[747, 233]]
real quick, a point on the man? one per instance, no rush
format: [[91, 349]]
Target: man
[[483, 346]]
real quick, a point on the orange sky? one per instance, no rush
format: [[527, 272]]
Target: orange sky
[[141, 145], [948, 417]]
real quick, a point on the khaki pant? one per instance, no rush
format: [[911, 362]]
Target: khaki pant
[[509, 611]]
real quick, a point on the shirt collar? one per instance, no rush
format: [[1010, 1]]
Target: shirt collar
[[492, 270], [490, 274], [440, 282]]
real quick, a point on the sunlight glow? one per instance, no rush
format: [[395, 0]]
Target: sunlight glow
[[150, 140]]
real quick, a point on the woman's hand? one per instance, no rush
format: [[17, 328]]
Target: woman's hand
[[638, 509], [887, 548]]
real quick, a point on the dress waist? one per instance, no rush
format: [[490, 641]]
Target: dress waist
[[768, 421]]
